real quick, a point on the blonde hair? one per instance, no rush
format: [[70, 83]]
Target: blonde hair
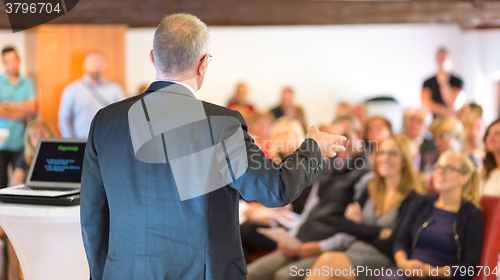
[[28, 148], [470, 191], [292, 125], [450, 125], [409, 179]]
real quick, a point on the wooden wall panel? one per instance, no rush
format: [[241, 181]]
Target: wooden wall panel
[[467, 13], [55, 53]]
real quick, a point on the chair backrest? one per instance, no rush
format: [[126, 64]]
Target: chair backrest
[[491, 246]]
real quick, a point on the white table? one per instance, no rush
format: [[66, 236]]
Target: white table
[[47, 240]]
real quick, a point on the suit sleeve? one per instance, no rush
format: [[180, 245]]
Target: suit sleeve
[[94, 211], [272, 184]]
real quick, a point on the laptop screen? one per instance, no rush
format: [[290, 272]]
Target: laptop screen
[[58, 161]]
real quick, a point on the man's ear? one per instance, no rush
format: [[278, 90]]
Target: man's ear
[[152, 58], [202, 67]]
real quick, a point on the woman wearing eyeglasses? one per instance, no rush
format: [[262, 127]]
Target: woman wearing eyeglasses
[[374, 221], [443, 232]]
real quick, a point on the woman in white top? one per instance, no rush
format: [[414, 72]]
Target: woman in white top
[[490, 173]]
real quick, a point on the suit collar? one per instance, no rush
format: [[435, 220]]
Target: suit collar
[[175, 86]]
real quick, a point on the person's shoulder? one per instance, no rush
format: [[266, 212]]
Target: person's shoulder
[[430, 80], [423, 200], [455, 80], [74, 85], [26, 80], [216, 110]]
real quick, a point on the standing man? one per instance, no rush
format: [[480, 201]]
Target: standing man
[[137, 221], [18, 104], [440, 92], [82, 98]]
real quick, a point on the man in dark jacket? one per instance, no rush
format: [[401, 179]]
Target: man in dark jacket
[[141, 218]]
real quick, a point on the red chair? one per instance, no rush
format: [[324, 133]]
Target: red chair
[[491, 246]]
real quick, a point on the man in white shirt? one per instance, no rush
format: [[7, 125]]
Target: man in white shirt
[[82, 98]]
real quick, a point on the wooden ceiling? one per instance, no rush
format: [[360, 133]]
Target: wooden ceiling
[[148, 13]]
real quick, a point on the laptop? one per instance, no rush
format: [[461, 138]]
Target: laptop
[[55, 172]]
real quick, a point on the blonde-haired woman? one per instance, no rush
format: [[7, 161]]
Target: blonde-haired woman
[[34, 131], [374, 221], [444, 230], [286, 136]]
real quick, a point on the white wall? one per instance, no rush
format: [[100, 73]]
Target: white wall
[[324, 64], [482, 68]]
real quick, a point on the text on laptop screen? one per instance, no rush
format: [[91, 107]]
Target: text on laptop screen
[[59, 162]]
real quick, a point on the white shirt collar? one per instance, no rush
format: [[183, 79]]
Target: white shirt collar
[[185, 85]]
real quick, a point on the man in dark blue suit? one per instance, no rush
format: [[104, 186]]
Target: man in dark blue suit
[[145, 213]]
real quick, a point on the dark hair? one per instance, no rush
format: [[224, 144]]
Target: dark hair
[[489, 163], [8, 49]]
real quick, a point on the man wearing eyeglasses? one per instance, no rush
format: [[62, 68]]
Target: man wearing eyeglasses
[[151, 208]]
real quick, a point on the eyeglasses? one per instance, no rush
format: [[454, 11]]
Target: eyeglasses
[[209, 57], [391, 154], [448, 168]]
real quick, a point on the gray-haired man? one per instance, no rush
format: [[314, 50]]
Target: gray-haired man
[[136, 223]]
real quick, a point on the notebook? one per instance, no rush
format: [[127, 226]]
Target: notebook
[[56, 170]]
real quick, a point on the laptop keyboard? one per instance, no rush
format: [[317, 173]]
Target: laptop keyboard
[[45, 188]]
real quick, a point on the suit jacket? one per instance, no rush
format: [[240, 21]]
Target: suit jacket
[[134, 224]]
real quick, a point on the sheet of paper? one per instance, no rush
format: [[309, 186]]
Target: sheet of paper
[[280, 235]]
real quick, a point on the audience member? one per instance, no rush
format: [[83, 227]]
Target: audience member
[[34, 131], [446, 228], [240, 103], [82, 98], [474, 134], [17, 95], [490, 173], [289, 109], [470, 111], [374, 221], [359, 110], [343, 109], [259, 128], [448, 133], [286, 136], [440, 92], [325, 206], [416, 123], [377, 128]]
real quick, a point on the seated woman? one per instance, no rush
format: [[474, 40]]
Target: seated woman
[[34, 131], [443, 229], [374, 221], [286, 136], [490, 172]]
